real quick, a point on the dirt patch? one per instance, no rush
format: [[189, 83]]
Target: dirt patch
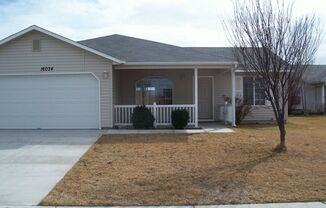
[[200, 168]]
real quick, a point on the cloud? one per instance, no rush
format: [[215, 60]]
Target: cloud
[[179, 22]]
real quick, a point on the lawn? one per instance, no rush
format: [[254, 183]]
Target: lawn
[[200, 168]]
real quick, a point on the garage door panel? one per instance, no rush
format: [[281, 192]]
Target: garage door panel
[[49, 102], [58, 122], [31, 109]]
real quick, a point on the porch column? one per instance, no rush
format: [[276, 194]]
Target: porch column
[[196, 96], [322, 91], [233, 94]]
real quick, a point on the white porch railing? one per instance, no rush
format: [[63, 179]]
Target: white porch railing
[[161, 113]]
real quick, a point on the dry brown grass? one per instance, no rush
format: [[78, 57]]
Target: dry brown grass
[[200, 168]]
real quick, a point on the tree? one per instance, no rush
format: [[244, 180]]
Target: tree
[[272, 44]]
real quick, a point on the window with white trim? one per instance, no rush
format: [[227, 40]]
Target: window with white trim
[[253, 92], [154, 89]]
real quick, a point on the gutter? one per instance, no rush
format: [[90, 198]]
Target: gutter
[[190, 63]]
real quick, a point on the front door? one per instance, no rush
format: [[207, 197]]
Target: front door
[[205, 98]]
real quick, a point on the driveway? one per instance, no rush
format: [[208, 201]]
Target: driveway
[[33, 161]]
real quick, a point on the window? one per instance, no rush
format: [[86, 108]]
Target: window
[[296, 99], [253, 92], [36, 45], [154, 89], [248, 92]]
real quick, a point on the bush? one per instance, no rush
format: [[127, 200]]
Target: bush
[[142, 118], [241, 110], [180, 118], [320, 109]]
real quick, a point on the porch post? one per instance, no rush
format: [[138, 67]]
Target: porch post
[[154, 114], [196, 96], [233, 94], [323, 96]]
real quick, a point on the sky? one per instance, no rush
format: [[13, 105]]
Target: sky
[[178, 22]]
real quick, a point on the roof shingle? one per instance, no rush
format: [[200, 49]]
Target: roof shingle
[[132, 49], [315, 74]]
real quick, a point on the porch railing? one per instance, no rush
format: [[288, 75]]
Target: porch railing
[[161, 113]]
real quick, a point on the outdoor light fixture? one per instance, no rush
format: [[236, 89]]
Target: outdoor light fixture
[[105, 75]]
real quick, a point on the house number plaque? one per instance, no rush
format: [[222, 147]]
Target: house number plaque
[[47, 68]]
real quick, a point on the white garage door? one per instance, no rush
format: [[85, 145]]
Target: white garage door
[[49, 102]]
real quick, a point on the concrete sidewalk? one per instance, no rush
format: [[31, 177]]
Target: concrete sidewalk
[[33, 161], [204, 128], [270, 205]]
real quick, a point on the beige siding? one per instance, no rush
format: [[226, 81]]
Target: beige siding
[[222, 87], [116, 82], [261, 113], [258, 113], [17, 56], [313, 98], [182, 84], [310, 97], [183, 88]]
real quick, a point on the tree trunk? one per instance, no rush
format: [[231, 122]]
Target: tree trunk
[[281, 147]]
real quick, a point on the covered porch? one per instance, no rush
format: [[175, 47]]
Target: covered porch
[[201, 90]]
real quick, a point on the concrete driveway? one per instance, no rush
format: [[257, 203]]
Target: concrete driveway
[[33, 161]]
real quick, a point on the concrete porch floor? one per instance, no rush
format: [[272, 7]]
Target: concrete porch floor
[[209, 127]]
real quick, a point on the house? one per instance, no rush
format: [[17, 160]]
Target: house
[[312, 96], [51, 82]]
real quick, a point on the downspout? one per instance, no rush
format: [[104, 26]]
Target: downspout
[[233, 94]]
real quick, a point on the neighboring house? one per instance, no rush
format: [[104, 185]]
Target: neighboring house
[[49, 81], [312, 97]]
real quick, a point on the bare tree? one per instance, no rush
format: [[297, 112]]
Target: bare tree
[[272, 44]]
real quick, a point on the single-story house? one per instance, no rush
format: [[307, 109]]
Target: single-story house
[[48, 81], [312, 96]]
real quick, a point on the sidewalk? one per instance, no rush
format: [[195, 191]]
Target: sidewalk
[[204, 128], [271, 205]]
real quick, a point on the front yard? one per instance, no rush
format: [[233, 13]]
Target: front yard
[[200, 168]]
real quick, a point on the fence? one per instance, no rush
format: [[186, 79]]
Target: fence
[[161, 113]]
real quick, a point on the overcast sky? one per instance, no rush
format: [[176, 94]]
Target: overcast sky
[[178, 22]]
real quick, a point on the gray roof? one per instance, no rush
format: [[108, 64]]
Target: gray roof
[[315, 74], [131, 49]]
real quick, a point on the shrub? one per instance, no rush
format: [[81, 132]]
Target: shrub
[[180, 118], [320, 109], [142, 118], [241, 110]]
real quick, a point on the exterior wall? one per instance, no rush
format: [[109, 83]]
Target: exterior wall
[[182, 84], [222, 87], [17, 56], [183, 88], [258, 113], [312, 98], [116, 83]]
